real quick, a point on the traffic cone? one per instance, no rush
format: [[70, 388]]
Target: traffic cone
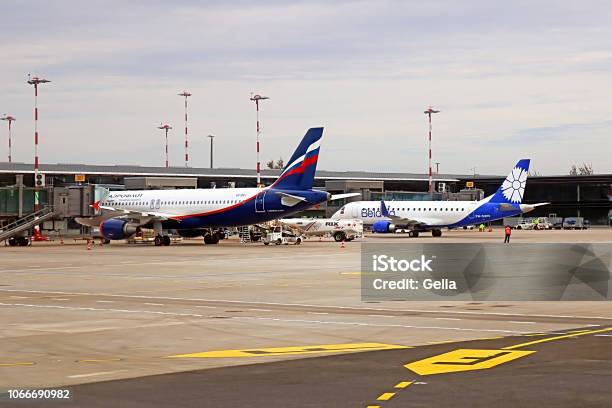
[[61, 240], [89, 245], [490, 228], [342, 245]]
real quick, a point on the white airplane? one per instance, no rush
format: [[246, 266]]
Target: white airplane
[[341, 230], [421, 216], [202, 212]]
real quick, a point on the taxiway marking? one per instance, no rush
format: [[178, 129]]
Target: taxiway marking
[[574, 334], [276, 319], [385, 396], [24, 363], [464, 360], [402, 384], [459, 312], [93, 374], [279, 351]]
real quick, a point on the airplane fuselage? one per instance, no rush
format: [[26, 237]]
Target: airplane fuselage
[[201, 208], [431, 213]]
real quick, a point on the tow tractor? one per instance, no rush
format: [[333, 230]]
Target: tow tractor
[[278, 236]]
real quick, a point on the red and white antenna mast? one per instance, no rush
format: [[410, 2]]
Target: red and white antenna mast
[[36, 81], [428, 112], [165, 127], [9, 119], [186, 94], [256, 99]]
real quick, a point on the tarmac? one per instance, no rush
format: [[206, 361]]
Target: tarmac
[[232, 324]]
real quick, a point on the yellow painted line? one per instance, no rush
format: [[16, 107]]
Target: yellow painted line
[[464, 360], [443, 342], [489, 338], [386, 396], [373, 406], [402, 384], [16, 364], [580, 333], [98, 360], [280, 351]]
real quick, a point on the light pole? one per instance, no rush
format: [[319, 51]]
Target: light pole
[[428, 112], [165, 127], [186, 94], [256, 99], [211, 137], [9, 119], [37, 181]]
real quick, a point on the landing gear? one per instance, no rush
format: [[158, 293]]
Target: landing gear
[[166, 240], [413, 234], [211, 238], [339, 236], [436, 233], [158, 240]]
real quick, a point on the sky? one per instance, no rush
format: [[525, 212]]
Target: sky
[[519, 79]]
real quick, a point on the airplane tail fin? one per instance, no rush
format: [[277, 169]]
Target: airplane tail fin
[[513, 188], [299, 172], [383, 209]]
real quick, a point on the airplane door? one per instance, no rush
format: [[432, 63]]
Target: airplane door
[[259, 202], [355, 211]]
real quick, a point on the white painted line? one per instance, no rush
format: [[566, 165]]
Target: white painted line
[[18, 297], [603, 335], [260, 310], [94, 309], [61, 300], [446, 318], [327, 322], [93, 374], [462, 312], [318, 313], [207, 307], [372, 324], [517, 322], [154, 304]]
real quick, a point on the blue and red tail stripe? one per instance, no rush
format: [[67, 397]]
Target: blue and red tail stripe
[[301, 167]]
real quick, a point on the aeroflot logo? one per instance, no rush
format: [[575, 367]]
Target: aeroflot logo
[[384, 263]]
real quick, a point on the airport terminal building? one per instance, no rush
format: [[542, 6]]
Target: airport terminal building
[[70, 188]]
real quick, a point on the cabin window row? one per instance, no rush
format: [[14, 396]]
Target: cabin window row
[[146, 203]]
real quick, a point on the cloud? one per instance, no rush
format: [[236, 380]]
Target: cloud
[[365, 70]]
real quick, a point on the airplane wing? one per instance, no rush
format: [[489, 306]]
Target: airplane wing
[[407, 221], [117, 212]]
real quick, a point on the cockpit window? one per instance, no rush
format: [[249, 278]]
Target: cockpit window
[[342, 210]]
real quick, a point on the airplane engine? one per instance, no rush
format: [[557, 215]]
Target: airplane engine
[[383, 227], [115, 228]]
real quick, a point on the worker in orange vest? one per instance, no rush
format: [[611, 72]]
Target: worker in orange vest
[[508, 231]]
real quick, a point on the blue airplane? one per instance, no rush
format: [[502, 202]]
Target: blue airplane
[[421, 216]]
